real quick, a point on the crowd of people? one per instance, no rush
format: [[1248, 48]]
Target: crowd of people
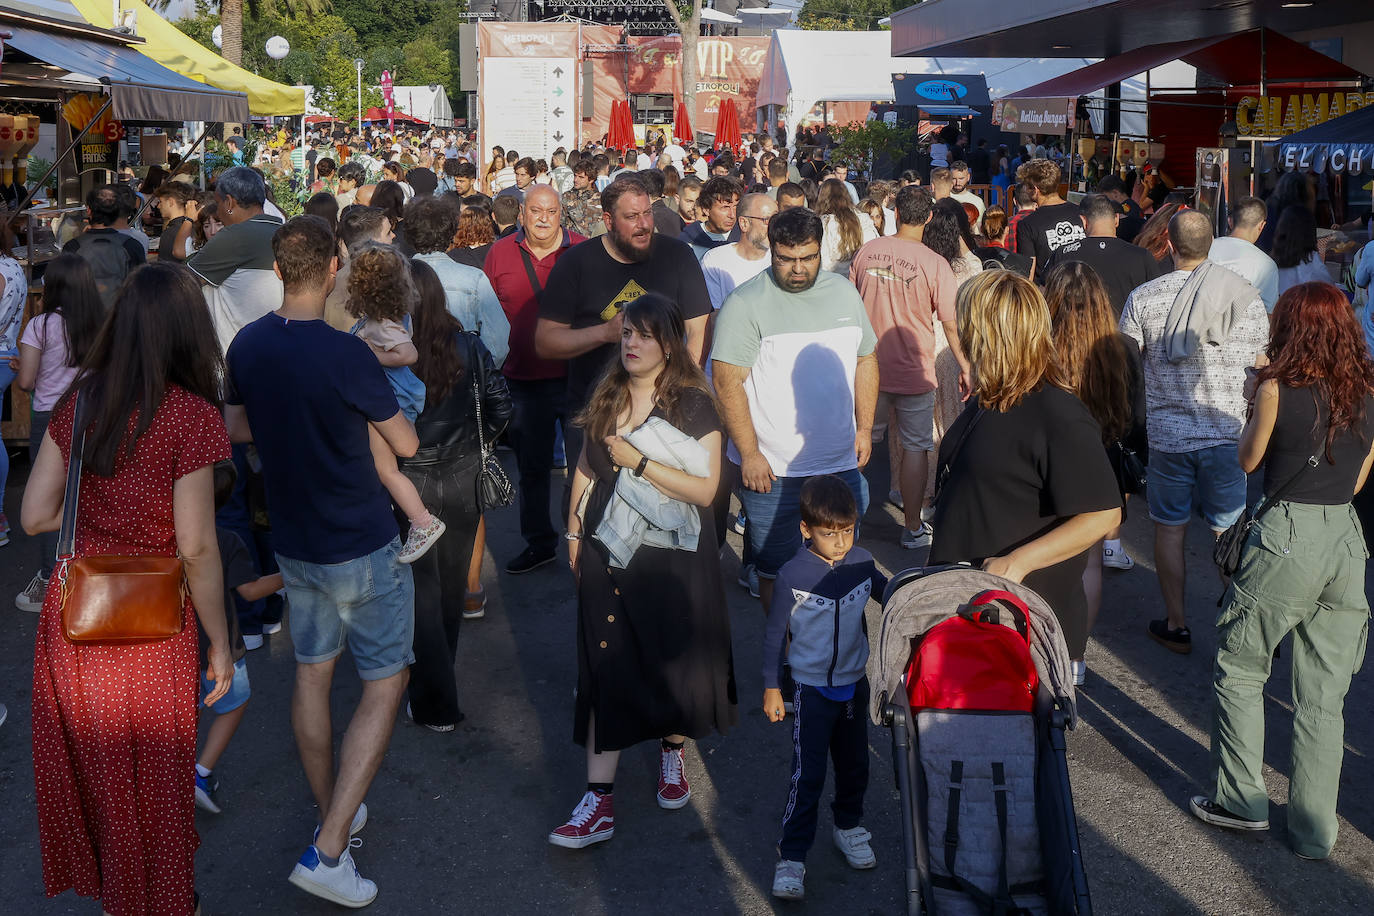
[[303, 409]]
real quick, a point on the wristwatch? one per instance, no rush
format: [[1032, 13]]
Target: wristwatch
[[572, 536]]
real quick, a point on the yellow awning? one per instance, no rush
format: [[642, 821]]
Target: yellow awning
[[174, 49]]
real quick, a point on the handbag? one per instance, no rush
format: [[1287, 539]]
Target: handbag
[[1230, 544], [942, 471], [494, 490], [1131, 473], [112, 600]]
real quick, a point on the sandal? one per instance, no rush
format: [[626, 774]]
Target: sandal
[[475, 604]]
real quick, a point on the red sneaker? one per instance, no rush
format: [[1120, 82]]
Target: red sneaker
[[673, 791], [592, 821]]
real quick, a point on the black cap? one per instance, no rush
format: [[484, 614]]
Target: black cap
[[1111, 183]]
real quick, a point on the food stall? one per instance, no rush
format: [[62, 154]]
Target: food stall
[[81, 89]]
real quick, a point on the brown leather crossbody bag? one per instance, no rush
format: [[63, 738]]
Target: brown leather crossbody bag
[[112, 600]]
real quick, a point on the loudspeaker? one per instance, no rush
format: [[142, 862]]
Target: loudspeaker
[[467, 56]]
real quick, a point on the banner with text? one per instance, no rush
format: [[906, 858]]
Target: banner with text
[[1033, 116]]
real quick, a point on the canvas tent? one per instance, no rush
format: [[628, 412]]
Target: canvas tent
[[805, 67], [1341, 144], [427, 103], [177, 51]]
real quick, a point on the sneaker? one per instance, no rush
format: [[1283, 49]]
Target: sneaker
[[1079, 668], [31, 598], [359, 822], [341, 884], [854, 844], [420, 539], [914, 540], [1207, 810], [207, 793], [789, 880], [1179, 640], [592, 821], [737, 523], [434, 728], [529, 560], [269, 629], [252, 640], [673, 791], [749, 578], [1117, 559], [475, 605], [895, 497]]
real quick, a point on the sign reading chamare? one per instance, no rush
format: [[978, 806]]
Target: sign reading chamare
[[1279, 115]]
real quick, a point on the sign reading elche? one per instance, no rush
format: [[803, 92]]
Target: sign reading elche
[[1277, 116]]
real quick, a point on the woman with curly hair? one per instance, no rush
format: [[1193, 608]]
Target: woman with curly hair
[[1102, 366], [474, 237], [1311, 424], [381, 295], [494, 168]]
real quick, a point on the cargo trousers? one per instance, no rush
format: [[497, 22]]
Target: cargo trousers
[[1302, 572]]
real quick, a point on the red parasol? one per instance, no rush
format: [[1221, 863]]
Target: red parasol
[[628, 126], [613, 125], [620, 134], [727, 126], [682, 127]]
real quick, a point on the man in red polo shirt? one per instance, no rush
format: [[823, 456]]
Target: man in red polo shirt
[[518, 267]]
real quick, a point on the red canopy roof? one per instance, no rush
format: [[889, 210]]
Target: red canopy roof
[[379, 114], [1233, 59]]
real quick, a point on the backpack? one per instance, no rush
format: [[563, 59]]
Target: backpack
[[109, 261], [974, 662]]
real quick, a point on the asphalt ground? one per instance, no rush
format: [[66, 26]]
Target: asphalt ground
[[458, 821]]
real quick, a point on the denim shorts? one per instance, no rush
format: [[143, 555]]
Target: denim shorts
[[1208, 480], [774, 529], [368, 602], [238, 694]]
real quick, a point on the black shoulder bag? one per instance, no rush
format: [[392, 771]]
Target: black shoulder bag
[[1230, 545], [494, 489], [943, 470]]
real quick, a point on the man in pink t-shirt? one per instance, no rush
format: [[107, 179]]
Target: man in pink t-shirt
[[906, 288]]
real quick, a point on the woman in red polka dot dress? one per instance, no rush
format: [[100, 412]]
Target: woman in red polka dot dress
[[114, 727]]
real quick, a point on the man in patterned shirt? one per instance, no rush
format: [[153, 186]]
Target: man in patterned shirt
[[582, 205], [1194, 361]]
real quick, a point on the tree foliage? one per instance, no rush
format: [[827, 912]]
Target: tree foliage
[[860, 144], [847, 15], [418, 42]]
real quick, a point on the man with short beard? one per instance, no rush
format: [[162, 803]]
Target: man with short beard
[[579, 311], [794, 367], [717, 207], [729, 266]]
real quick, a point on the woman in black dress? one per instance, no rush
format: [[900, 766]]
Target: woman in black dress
[[1027, 486], [654, 659]]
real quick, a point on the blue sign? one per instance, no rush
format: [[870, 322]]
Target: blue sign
[[941, 90]]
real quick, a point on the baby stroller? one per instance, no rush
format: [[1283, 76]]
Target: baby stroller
[[988, 824]]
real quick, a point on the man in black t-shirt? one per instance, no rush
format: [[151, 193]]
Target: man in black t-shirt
[[1055, 222], [1132, 217], [579, 312], [1121, 265]]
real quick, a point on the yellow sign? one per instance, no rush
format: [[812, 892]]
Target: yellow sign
[[1276, 116]]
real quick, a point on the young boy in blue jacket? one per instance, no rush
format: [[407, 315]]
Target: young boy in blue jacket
[[819, 601]]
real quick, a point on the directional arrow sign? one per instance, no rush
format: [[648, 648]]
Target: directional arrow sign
[[557, 71], [558, 90], [558, 112], [558, 136]]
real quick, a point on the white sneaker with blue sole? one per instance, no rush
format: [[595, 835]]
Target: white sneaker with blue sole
[[339, 884]]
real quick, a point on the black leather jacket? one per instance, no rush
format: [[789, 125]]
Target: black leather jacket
[[448, 430]]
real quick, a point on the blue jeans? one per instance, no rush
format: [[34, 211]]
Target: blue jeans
[[368, 602], [1208, 480], [774, 529]]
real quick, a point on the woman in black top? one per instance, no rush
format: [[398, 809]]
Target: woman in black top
[[1102, 366], [1028, 488], [1302, 570], [444, 470]]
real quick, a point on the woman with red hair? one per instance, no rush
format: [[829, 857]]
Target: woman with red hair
[[1311, 423]]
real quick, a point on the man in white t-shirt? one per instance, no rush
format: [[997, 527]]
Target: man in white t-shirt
[[1238, 251], [730, 265], [959, 171]]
